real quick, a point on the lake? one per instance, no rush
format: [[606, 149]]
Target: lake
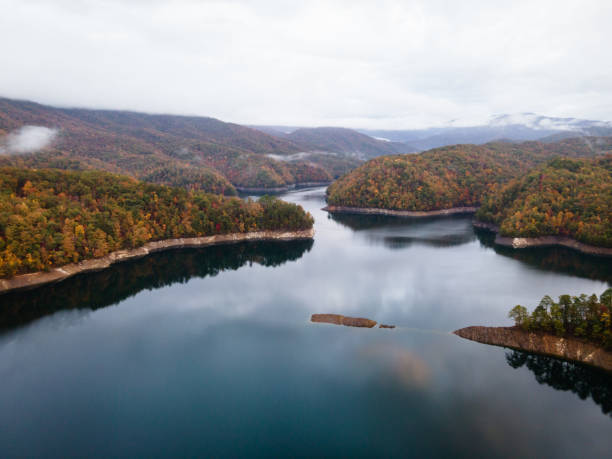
[[210, 352]]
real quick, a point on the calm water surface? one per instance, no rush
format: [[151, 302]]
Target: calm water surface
[[210, 352]]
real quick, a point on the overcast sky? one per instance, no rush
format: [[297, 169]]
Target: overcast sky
[[376, 64]]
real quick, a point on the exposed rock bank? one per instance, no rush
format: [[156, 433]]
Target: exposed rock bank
[[27, 281], [400, 213], [338, 319], [571, 349], [543, 241], [279, 189]]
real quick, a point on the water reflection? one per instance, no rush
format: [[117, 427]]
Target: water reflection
[[566, 376], [402, 242], [359, 222], [403, 232], [230, 366], [108, 287], [558, 259]]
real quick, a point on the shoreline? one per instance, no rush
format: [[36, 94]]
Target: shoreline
[[399, 213], [279, 189], [37, 279], [542, 241], [566, 348]]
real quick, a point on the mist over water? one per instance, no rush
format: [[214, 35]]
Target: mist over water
[[210, 352]]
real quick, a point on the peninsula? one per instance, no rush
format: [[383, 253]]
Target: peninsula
[[32, 280], [55, 224], [578, 329]]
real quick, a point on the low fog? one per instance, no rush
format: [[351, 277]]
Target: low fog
[[27, 139]]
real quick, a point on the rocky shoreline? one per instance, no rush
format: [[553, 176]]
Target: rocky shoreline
[[571, 349], [400, 213], [543, 241], [279, 189], [32, 280]]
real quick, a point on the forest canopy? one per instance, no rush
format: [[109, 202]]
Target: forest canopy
[[51, 217], [565, 197], [453, 176]]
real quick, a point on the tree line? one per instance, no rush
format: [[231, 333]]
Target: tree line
[[583, 316]]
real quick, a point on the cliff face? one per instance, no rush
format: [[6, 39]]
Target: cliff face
[[26, 281], [565, 348]]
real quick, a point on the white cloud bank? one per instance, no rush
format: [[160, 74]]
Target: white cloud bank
[[383, 64], [27, 139]]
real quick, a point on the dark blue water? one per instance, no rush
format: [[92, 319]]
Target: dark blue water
[[211, 353]]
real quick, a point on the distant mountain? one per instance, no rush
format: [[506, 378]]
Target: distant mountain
[[516, 128], [195, 152], [347, 142], [279, 131], [160, 132]]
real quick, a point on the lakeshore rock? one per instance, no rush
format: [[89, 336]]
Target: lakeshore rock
[[399, 213], [338, 319], [32, 280], [542, 241], [566, 348], [279, 189], [386, 326]]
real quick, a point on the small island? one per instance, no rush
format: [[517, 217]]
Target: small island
[[55, 224], [338, 319], [577, 329]]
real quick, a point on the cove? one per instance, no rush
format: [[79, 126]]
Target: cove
[[211, 351]]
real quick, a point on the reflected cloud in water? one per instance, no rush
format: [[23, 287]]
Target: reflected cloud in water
[[123, 280], [397, 362]]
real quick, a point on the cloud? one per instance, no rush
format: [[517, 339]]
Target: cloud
[[27, 139], [386, 64]]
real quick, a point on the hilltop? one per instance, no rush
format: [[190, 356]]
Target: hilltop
[[447, 177]]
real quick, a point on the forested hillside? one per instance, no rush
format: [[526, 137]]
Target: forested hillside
[[565, 197], [193, 152], [50, 217], [447, 177]]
